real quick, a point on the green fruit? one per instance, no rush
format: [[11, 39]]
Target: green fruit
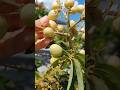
[[56, 50], [3, 27], [48, 32], [27, 14]]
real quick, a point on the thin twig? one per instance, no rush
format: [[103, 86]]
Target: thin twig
[[76, 23], [62, 34]]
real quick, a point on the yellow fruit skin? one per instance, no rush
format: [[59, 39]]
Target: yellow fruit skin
[[69, 3], [56, 50], [60, 28], [55, 5], [3, 27], [80, 8], [52, 24], [48, 32], [74, 9], [52, 15]]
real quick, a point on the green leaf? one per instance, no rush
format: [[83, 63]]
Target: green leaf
[[78, 69], [70, 77]]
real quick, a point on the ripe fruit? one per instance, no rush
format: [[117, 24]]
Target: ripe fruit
[[52, 60], [48, 32], [27, 14], [72, 23], [69, 3], [74, 9], [52, 15], [3, 27], [80, 8], [55, 5], [60, 28], [52, 24], [56, 50]]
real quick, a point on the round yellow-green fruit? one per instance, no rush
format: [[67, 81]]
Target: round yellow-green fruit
[[60, 27], [81, 8], [48, 32], [56, 50], [52, 24], [55, 5], [69, 3], [52, 15], [74, 9]]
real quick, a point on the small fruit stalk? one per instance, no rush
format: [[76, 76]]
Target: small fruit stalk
[[67, 49]]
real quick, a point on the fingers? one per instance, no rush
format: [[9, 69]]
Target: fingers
[[42, 43], [41, 23]]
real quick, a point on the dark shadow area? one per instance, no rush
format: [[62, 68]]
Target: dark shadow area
[[103, 44], [17, 59]]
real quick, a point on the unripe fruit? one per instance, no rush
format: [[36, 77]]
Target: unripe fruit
[[60, 28], [72, 23], [69, 3], [3, 27], [52, 15], [55, 5], [56, 50], [82, 51], [27, 14], [52, 60], [80, 8], [52, 24], [48, 32]]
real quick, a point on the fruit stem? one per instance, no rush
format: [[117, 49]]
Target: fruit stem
[[68, 26], [76, 23], [62, 34]]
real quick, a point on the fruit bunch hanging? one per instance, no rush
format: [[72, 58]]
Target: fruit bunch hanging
[[67, 47]]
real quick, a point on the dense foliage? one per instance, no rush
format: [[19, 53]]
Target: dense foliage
[[67, 63]]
